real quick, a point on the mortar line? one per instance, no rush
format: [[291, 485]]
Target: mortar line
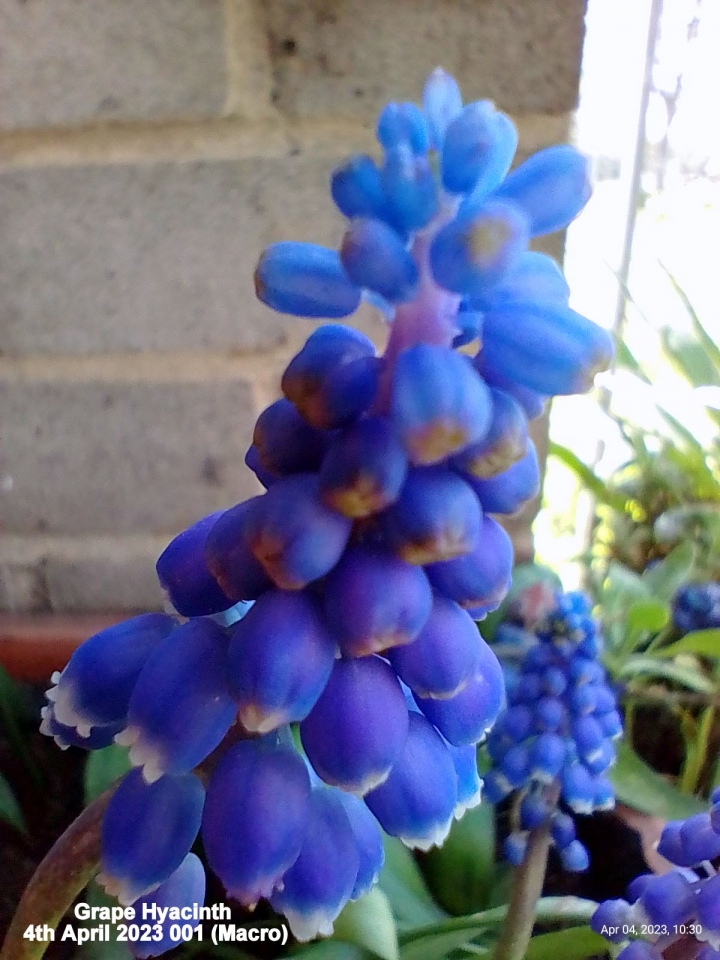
[[223, 138], [248, 66]]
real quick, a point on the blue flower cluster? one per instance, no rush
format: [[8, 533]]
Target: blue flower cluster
[[678, 909], [344, 597], [696, 606], [555, 740]]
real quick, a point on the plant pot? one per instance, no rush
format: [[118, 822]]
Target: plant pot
[[32, 646]]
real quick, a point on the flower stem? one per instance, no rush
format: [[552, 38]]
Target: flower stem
[[526, 891], [67, 868]]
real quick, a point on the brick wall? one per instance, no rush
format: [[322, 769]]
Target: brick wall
[[148, 150]]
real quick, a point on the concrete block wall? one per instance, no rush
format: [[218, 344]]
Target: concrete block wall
[[149, 149]]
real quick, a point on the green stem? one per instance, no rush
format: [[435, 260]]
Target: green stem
[[549, 909], [526, 891], [65, 871]]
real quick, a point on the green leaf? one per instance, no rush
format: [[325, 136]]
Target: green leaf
[[648, 615], [436, 941], [626, 360], [15, 714], [664, 578], [706, 341], [589, 479], [576, 943], [437, 947], [402, 883], [689, 677], [103, 768], [689, 358], [369, 923], [704, 643], [638, 786], [10, 810], [462, 873]]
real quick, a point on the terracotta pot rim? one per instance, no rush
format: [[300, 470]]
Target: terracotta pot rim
[[32, 646]]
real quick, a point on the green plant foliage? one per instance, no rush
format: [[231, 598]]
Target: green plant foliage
[[463, 873], [368, 923], [103, 768], [576, 943], [402, 883], [639, 786], [704, 643], [10, 810]]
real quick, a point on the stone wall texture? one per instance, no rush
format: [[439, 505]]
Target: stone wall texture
[[149, 149]]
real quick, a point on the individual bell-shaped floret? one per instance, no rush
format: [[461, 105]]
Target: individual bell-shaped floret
[[707, 905], [696, 606], [375, 258], [368, 842], [184, 574], [469, 784], [285, 442], [357, 729], [438, 403], [147, 832], [480, 577], [417, 801], [356, 188], [364, 469], [442, 102], [550, 713], [547, 756], [181, 707], [410, 188], [534, 810], [668, 899], [182, 890], [334, 378], [514, 765], [466, 717], [265, 476], [532, 402], [293, 535], [444, 656], [436, 517], [279, 660], [403, 124], [374, 601], [230, 559], [552, 186], [535, 278], [578, 787], [506, 492], [65, 736], [574, 857], [321, 880], [698, 838], [515, 847], [479, 147], [257, 808], [562, 829], [550, 349], [306, 280], [95, 687], [504, 443], [475, 251]]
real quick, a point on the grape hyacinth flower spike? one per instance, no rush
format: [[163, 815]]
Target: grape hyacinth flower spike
[[371, 551], [555, 740], [676, 913]]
